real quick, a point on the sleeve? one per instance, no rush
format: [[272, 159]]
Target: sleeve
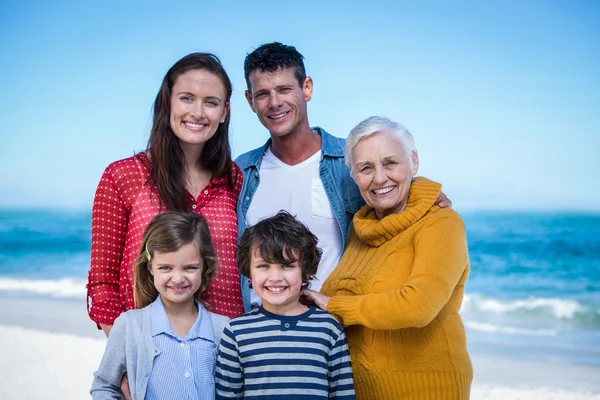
[[238, 179], [107, 380], [229, 375], [109, 228], [341, 383], [441, 259]]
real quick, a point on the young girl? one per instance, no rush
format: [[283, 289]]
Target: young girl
[[168, 347], [282, 349]]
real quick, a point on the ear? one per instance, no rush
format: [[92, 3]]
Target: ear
[[415, 161], [249, 100], [307, 88], [225, 112], [149, 266]]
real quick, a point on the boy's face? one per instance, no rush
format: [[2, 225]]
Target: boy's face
[[277, 285]]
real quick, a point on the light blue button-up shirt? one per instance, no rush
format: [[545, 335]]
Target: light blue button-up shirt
[[184, 368]]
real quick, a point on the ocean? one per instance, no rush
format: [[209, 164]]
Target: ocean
[[533, 292]]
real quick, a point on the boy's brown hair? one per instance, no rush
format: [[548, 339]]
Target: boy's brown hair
[[280, 239]]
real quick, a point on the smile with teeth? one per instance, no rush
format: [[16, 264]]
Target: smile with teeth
[[275, 289], [279, 116], [194, 126], [384, 190]]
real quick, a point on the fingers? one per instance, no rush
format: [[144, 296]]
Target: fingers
[[125, 388]]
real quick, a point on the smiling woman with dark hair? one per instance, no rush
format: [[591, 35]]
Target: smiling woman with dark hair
[[187, 166], [399, 285]]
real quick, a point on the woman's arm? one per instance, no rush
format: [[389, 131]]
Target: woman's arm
[[440, 261], [109, 228]]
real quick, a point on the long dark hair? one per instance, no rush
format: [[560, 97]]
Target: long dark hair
[[168, 164]]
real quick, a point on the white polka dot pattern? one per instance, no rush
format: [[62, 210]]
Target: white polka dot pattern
[[123, 206]]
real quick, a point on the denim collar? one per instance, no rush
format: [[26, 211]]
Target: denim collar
[[160, 323], [330, 146]]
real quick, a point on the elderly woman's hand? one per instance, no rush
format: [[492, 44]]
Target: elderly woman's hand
[[443, 201], [319, 299]]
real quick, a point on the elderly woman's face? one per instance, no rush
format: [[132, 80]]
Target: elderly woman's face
[[383, 173]]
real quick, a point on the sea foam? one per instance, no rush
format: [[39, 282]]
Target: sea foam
[[61, 288]]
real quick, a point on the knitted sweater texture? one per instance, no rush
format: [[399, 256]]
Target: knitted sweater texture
[[397, 291]]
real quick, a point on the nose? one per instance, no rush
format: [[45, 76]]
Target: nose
[[274, 274], [275, 101], [177, 277], [197, 110], [379, 176]]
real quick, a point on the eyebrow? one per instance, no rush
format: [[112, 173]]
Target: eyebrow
[[193, 95]]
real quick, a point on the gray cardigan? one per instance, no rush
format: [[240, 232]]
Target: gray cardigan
[[130, 349]]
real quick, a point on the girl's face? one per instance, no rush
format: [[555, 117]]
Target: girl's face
[[277, 285], [177, 275], [198, 106]]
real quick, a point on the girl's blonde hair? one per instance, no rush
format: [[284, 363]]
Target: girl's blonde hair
[[166, 233]]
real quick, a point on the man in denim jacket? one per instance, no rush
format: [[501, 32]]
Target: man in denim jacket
[[299, 169]]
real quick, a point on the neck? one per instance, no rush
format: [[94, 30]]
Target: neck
[[191, 155], [179, 310], [289, 311], [296, 147]]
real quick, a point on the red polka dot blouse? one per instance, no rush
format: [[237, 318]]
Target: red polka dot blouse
[[122, 209]]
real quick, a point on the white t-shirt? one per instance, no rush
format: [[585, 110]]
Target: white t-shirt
[[298, 189]]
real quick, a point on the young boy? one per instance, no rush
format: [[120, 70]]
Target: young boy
[[282, 349]]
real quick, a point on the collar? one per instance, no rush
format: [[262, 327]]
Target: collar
[[421, 199], [330, 146], [287, 318], [159, 322]]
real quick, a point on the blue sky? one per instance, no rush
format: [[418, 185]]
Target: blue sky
[[503, 98]]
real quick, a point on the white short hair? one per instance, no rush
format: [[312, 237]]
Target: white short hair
[[374, 125]]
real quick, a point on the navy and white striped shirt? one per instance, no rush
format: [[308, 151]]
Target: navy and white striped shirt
[[268, 356], [184, 368]]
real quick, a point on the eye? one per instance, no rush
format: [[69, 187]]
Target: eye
[[164, 268], [390, 163], [260, 95], [261, 266], [186, 99], [213, 103], [288, 266], [284, 90], [191, 268], [365, 169]]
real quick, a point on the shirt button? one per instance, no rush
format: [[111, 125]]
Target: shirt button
[[286, 325], [247, 198], [187, 374], [194, 206], [206, 192], [182, 344]]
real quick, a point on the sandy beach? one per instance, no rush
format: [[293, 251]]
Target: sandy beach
[[50, 351]]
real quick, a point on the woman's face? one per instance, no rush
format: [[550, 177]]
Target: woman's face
[[383, 173], [198, 106]]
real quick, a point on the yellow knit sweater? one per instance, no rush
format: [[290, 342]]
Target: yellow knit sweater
[[397, 291]]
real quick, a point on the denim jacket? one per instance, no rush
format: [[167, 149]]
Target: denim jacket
[[342, 192], [130, 349]]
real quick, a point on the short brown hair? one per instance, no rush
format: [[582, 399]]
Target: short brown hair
[[280, 239], [166, 233]]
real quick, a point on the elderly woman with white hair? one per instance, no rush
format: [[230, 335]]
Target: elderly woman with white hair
[[399, 286]]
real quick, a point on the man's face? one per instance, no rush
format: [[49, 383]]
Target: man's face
[[278, 100]]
